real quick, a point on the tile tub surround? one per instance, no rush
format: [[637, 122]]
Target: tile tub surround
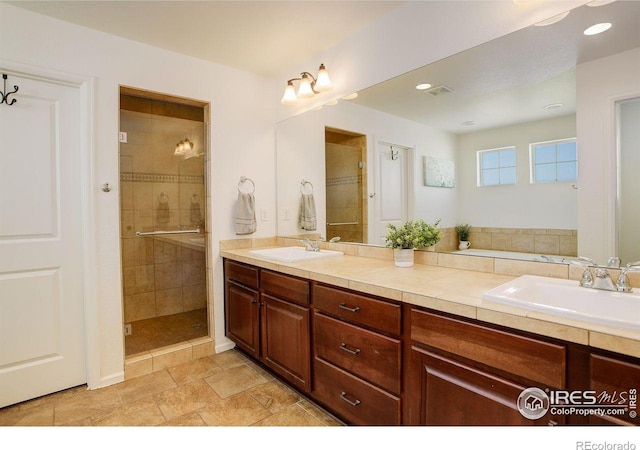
[[444, 282], [526, 240]]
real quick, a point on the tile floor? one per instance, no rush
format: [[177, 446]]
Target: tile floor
[[157, 332], [226, 389]]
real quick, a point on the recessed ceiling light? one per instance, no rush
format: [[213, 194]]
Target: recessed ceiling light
[[554, 106], [552, 20], [350, 96], [469, 123], [597, 28], [423, 86]]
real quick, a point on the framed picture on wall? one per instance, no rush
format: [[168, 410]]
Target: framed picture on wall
[[439, 172]]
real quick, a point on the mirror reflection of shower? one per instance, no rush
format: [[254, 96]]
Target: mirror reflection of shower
[[628, 138], [162, 206], [346, 178]]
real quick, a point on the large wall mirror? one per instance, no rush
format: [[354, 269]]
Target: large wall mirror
[[492, 142]]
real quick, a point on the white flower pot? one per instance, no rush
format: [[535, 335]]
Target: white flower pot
[[403, 257], [464, 245]]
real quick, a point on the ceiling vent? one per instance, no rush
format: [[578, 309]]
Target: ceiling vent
[[438, 90]]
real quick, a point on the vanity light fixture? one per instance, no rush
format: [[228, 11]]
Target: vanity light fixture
[[597, 29], [186, 149], [308, 87]]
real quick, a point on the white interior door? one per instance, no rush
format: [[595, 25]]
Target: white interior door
[[392, 195], [42, 345]]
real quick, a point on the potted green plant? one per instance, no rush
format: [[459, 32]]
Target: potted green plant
[[411, 235], [463, 235]]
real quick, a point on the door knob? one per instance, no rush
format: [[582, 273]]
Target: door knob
[[106, 187]]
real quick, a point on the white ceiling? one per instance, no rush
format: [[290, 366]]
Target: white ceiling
[[510, 80], [534, 68], [264, 37]]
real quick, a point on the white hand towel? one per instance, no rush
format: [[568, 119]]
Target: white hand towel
[[307, 214], [163, 213], [245, 214]]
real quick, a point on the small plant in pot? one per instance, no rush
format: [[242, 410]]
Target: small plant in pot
[[463, 235], [411, 235]]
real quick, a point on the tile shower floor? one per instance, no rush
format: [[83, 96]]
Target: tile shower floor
[[149, 334], [226, 389]]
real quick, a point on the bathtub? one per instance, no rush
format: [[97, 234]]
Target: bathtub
[[516, 255]]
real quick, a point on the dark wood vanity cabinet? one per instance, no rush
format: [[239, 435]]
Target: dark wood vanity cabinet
[[286, 327], [373, 361], [460, 372], [268, 317], [242, 311], [357, 355]]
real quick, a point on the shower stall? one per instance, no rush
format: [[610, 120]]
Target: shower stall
[[162, 208], [346, 178]]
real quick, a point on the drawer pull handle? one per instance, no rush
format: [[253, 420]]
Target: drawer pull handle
[[343, 396], [354, 309], [344, 347]]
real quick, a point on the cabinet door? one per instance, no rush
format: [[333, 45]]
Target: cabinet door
[[286, 340], [616, 383], [242, 317], [447, 392]]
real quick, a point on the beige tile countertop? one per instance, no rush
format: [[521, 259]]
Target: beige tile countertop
[[447, 289]]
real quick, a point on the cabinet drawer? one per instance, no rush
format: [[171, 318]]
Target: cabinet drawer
[[356, 308], [353, 399], [243, 274], [452, 393], [285, 287], [529, 358], [365, 353]]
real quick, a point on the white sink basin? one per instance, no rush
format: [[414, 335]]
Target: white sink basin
[[293, 254], [566, 298]]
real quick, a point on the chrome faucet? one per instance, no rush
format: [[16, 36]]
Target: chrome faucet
[[312, 246], [601, 279], [622, 285]]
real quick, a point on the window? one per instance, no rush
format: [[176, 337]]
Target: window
[[554, 161], [497, 166]]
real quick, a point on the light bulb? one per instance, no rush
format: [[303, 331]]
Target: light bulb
[[289, 96], [323, 82], [305, 90]]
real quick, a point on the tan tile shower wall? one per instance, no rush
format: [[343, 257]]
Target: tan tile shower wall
[[161, 276], [527, 240]]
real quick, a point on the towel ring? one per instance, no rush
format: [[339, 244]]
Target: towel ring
[[163, 198], [304, 183], [195, 198], [244, 180]]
